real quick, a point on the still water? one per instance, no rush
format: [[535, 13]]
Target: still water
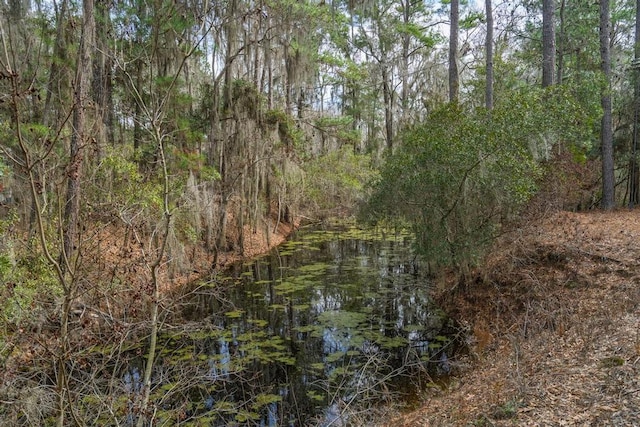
[[326, 330]]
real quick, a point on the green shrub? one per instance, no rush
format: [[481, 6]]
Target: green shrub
[[460, 175]]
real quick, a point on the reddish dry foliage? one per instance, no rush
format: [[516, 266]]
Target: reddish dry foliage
[[119, 254], [115, 291]]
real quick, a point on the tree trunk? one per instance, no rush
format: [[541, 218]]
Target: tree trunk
[[606, 137], [454, 83], [288, 84], [634, 172], [57, 89], [230, 31], [561, 44], [72, 203], [489, 56], [154, 267], [548, 43], [137, 113], [79, 134], [388, 106], [58, 78], [102, 88], [404, 64]]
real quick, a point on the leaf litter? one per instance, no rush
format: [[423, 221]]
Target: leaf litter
[[553, 320]]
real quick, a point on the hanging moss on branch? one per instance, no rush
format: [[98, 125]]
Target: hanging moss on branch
[[247, 99], [290, 135]]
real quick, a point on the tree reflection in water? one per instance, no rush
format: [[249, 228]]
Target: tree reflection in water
[[323, 331]]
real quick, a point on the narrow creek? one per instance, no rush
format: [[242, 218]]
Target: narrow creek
[[323, 331]]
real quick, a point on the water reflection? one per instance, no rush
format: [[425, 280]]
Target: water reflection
[[330, 324]]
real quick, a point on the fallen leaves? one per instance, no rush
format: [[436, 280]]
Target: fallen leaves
[[561, 302]]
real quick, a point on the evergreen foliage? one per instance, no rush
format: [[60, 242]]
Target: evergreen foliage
[[460, 176], [185, 127], [335, 182]]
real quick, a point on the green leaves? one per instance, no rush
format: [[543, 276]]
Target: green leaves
[[461, 174], [471, 20], [428, 40], [337, 179]]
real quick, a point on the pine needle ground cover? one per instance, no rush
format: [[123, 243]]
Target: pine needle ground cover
[[554, 330]]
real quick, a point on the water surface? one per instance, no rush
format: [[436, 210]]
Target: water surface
[[325, 330]]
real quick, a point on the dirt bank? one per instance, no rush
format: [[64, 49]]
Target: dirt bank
[[118, 254], [554, 330]]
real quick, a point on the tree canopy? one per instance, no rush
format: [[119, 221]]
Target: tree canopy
[[138, 139]]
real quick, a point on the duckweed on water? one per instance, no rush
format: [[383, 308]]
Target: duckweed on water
[[235, 314], [299, 329], [318, 267]]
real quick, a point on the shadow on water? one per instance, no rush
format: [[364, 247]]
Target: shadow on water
[[324, 331]]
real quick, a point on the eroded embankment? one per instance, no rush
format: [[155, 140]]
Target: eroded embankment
[[554, 329]]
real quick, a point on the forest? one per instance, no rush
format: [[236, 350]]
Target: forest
[[147, 144]]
